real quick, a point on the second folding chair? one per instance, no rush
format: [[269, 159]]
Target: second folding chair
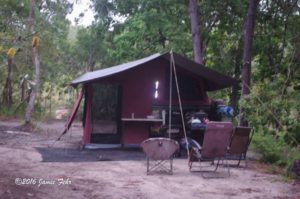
[[215, 146], [239, 144]]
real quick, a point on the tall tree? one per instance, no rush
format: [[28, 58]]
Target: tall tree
[[7, 92], [11, 13], [195, 28], [247, 53], [36, 62], [145, 27]]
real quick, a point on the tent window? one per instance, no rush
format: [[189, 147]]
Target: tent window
[[156, 89], [189, 87]]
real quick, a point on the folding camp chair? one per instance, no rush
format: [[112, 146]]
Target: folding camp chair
[[159, 151], [239, 144], [215, 145]]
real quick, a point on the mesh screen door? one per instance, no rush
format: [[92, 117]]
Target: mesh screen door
[[106, 114]]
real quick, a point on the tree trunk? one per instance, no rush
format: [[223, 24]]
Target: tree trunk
[[195, 28], [7, 92], [30, 106], [22, 92], [91, 61], [234, 97], [50, 105], [235, 88], [36, 62], [247, 54]]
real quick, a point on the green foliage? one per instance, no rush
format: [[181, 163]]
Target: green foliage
[[52, 27], [272, 108], [147, 27], [12, 112], [275, 150], [155, 26], [274, 116]]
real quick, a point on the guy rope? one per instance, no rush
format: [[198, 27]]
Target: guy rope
[[173, 69]]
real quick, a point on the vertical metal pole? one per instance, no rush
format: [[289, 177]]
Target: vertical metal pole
[[180, 104], [170, 94]]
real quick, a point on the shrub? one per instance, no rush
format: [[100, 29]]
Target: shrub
[[274, 116]]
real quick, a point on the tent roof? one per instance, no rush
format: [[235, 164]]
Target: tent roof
[[214, 79]]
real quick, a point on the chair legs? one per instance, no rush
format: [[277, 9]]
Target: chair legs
[[240, 158], [159, 165], [201, 167], [228, 167], [190, 165], [196, 158]]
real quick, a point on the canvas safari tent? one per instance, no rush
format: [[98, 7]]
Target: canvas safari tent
[[124, 102]]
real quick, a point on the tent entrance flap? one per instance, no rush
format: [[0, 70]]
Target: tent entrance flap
[[73, 113]]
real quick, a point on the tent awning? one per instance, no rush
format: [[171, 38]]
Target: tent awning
[[213, 79]]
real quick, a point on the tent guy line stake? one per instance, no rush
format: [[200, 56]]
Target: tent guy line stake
[[54, 142]]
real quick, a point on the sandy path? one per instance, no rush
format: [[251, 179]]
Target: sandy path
[[122, 175]]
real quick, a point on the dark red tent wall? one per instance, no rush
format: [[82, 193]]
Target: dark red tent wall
[[138, 88], [88, 117]]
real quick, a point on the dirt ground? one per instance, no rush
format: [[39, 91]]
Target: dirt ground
[[32, 167]]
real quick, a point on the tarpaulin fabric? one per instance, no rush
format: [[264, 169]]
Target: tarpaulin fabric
[[74, 111], [213, 80]]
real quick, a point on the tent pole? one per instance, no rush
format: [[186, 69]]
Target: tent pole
[[180, 104], [71, 118], [170, 95]]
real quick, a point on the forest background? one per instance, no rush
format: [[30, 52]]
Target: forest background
[[127, 30]]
